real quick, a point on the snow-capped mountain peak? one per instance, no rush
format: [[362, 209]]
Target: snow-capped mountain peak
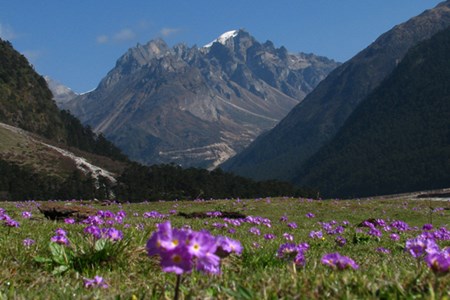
[[223, 38]]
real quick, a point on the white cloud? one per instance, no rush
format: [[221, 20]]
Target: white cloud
[[120, 36], [102, 39], [7, 33], [123, 35], [165, 32]]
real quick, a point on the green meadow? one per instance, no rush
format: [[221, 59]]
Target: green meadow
[[43, 269]]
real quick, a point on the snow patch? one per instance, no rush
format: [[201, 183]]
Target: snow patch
[[83, 165], [223, 38]]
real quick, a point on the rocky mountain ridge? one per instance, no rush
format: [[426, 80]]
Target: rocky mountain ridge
[[197, 106]]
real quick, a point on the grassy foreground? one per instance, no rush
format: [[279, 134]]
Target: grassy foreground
[[41, 269]]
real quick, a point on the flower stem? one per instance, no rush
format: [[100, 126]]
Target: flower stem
[[177, 287]]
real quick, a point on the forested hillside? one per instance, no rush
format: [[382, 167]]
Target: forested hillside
[[398, 139]]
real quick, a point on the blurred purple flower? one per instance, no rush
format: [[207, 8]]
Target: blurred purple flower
[[26, 214], [255, 231], [293, 252], [394, 237], [340, 241], [113, 234], [316, 234], [226, 246], [284, 218], [96, 282], [11, 223], [427, 227], [400, 225], [177, 261], [374, 232], [383, 250], [94, 231], [439, 262], [232, 231], [69, 221], [60, 239], [269, 236], [28, 242], [310, 215], [288, 236], [292, 225], [338, 261], [419, 246]]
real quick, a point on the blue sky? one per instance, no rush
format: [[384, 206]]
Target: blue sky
[[78, 42]]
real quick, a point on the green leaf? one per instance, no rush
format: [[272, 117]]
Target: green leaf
[[100, 244], [60, 269], [58, 253], [41, 259]]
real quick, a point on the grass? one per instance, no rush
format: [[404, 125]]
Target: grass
[[256, 274]]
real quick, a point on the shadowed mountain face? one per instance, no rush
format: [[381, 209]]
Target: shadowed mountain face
[[398, 139], [281, 152], [197, 106]]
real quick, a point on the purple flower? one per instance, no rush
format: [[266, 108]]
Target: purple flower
[[419, 246], [121, 214], [439, 262], [338, 261], [69, 221], [94, 220], [209, 263], [177, 261], [400, 226], [288, 236], [292, 225], [293, 252], [28, 242], [427, 227], [96, 282], [300, 259], [287, 250], [153, 215], [60, 239], [269, 236], [226, 246], [94, 231], [26, 214], [61, 232], [11, 223], [182, 250], [199, 243], [113, 234], [284, 218], [394, 237], [380, 222], [383, 250], [310, 215], [374, 232], [340, 241], [316, 234], [255, 231]]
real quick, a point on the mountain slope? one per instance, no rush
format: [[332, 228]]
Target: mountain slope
[[281, 152], [398, 139], [61, 93], [26, 102], [197, 106]]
